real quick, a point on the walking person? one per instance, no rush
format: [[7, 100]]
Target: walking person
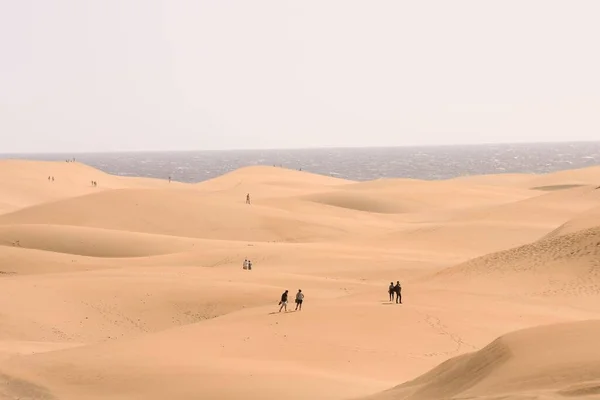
[[299, 300], [248, 198], [284, 300], [391, 291], [249, 265], [398, 291], [246, 264]]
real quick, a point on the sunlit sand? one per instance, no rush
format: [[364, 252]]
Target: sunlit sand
[[134, 288]]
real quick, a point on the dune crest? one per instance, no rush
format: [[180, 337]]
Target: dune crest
[[585, 220], [546, 361], [559, 265]]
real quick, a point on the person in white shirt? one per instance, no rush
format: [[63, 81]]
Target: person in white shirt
[[299, 300], [246, 264]]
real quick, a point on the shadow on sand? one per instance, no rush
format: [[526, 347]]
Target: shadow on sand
[[283, 312]]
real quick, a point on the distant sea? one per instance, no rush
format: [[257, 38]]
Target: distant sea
[[360, 164]]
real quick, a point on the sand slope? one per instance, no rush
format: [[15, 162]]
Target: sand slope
[[545, 182], [184, 212], [89, 242], [567, 265], [550, 362], [25, 183], [584, 220], [134, 289]]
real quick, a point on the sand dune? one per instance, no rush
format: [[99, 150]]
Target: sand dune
[[373, 203], [25, 183], [134, 289], [585, 220], [507, 180], [561, 265], [585, 176], [429, 195], [183, 212], [90, 242], [261, 182], [549, 362], [547, 210], [470, 238], [552, 181]]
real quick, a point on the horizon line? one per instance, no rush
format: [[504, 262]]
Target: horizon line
[[65, 152]]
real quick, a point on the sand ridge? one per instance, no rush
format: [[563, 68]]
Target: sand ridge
[[134, 289]]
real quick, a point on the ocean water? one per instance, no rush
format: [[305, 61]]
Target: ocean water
[[436, 162]]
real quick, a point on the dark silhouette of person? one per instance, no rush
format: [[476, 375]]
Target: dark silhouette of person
[[398, 291], [284, 300], [391, 291], [248, 198], [299, 300]]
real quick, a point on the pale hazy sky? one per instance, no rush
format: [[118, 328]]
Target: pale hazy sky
[[81, 75]]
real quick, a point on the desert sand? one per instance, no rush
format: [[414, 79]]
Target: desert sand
[[134, 289]]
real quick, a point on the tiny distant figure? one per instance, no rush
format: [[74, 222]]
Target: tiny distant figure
[[300, 169], [299, 300], [52, 179], [283, 301], [398, 291], [49, 178], [248, 198], [246, 264], [249, 265], [391, 291], [169, 179]]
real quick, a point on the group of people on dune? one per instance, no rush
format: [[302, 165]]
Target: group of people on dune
[[247, 264], [284, 300], [395, 290]]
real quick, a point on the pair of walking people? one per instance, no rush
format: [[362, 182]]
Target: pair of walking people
[[284, 300], [395, 290]]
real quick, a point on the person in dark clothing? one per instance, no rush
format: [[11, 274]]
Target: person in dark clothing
[[248, 198], [398, 291], [284, 301], [299, 300], [391, 291]]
